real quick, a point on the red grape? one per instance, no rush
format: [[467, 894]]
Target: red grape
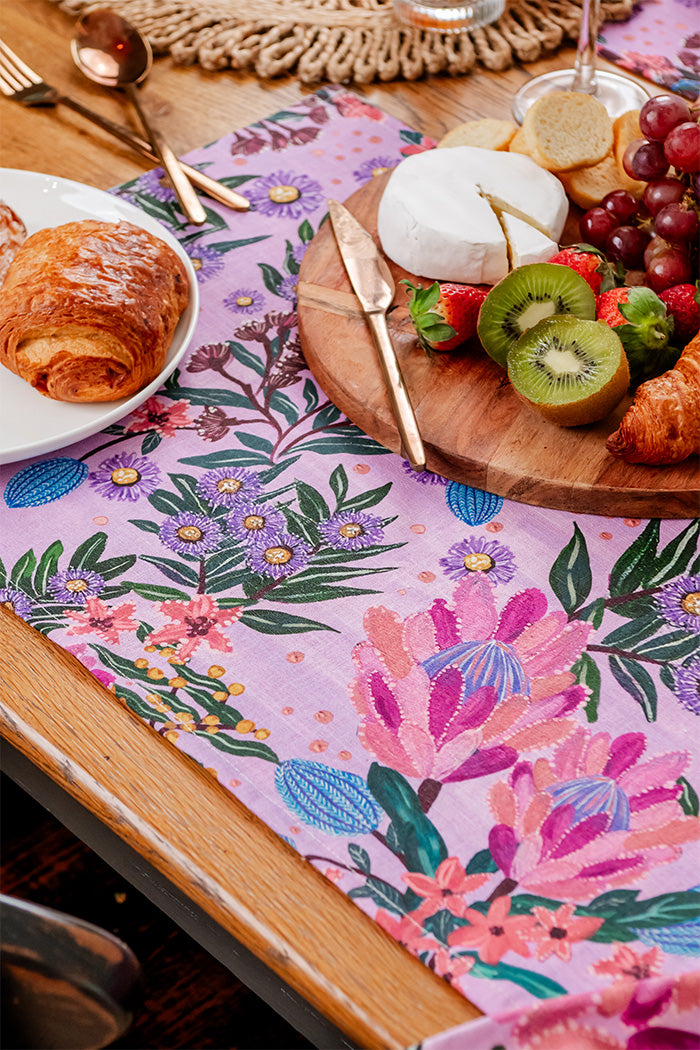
[[596, 225], [622, 204], [645, 160], [655, 245], [668, 268], [662, 192], [677, 224], [682, 147], [627, 244], [660, 115]]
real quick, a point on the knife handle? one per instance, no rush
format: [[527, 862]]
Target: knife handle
[[412, 444]]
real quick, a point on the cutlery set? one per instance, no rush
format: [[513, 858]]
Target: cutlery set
[[109, 51]]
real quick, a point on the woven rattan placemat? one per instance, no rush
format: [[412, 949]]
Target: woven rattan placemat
[[345, 41]]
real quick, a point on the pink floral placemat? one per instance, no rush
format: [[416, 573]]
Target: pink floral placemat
[[660, 41], [479, 719]]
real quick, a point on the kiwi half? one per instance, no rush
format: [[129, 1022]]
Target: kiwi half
[[527, 295], [571, 371]]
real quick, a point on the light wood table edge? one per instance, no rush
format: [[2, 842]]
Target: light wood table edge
[[194, 831]]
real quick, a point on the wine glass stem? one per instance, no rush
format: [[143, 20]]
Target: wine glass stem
[[584, 66]]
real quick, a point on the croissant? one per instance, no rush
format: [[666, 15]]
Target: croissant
[[88, 309], [662, 425], [12, 234]]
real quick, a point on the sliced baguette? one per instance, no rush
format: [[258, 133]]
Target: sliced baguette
[[587, 186], [566, 130], [518, 144], [625, 130], [488, 133]]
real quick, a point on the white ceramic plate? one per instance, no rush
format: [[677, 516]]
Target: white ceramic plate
[[31, 424]]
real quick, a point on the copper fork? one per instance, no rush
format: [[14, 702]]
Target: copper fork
[[21, 84]]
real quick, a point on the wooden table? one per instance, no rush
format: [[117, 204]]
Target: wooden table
[[223, 874]]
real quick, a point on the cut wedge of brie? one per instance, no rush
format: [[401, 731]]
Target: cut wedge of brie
[[464, 214]]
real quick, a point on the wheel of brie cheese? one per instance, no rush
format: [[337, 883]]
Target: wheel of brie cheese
[[470, 215]]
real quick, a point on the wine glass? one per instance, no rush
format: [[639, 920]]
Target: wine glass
[[616, 92]]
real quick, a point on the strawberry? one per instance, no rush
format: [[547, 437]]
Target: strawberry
[[683, 303], [445, 314], [589, 263], [640, 319]]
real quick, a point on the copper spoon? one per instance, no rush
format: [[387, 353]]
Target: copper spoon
[[112, 52]]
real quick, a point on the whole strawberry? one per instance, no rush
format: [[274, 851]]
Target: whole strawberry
[[589, 263], [445, 314], [683, 303], [640, 319]]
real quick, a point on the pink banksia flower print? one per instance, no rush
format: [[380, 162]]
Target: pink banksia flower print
[[458, 691], [594, 817]]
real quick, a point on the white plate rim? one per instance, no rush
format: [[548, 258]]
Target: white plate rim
[[97, 202]]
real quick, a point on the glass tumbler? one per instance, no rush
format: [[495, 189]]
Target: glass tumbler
[[448, 16]]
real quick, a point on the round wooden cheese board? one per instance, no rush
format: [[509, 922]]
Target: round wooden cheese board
[[474, 428]]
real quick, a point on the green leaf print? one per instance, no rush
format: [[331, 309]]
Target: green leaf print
[[422, 846], [636, 681], [570, 576], [637, 564]]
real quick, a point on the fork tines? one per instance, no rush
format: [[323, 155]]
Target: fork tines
[[15, 75]]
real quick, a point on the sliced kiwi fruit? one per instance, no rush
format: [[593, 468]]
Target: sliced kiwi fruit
[[527, 295], [571, 371]]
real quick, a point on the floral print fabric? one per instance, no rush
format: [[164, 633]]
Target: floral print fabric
[[478, 718]]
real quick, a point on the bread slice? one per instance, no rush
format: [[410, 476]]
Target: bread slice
[[518, 144], [566, 130], [488, 133], [587, 186]]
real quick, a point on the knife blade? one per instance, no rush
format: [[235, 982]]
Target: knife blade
[[373, 285]]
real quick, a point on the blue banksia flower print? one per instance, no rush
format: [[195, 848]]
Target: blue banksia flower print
[[332, 800]]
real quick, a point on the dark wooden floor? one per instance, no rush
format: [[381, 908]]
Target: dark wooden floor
[[190, 1001]]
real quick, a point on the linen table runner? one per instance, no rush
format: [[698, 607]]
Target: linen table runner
[[479, 719]]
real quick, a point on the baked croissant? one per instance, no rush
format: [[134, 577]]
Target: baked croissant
[[12, 234], [662, 425], [88, 309]]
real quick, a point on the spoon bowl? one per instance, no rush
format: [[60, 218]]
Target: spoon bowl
[[112, 52]]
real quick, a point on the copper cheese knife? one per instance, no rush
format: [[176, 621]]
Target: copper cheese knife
[[374, 287]]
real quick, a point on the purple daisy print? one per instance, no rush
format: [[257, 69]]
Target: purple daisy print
[[425, 477], [153, 184], [224, 486], [16, 602], [255, 521], [351, 531], [288, 286], [374, 166], [298, 252], [280, 555], [679, 602], [190, 533], [688, 685], [286, 194], [478, 555], [75, 586], [245, 301], [207, 262], [125, 476]]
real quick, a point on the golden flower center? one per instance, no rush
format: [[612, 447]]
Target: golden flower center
[[378, 171], [351, 530], [190, 533], [254, 522], [244, 300], [691, 603], [228, 485], [125, 476], [284, 194], [478, 562], [76, 586], [278, 555]]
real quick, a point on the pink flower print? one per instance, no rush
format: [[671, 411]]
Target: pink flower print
[[352, 106], [593, 818], [626, 964], [156, 414], [445, 890], [451, 967], [555, 931], [405, 929], [97, 618], [458, 691], [495, 933], [193, 623]]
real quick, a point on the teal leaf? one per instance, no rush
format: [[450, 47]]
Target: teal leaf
[[186, 485], [346, 441], [306, 231], [48, 566], [673, 646], [368, 499], [380, 893], [636, 681], [570, 576], [326, 416], [311, 502], [338, 483], [247, 357], [150, 442], [228, 458], [359, 857], [89, 552], [592, 613], [156, 593], [235, 745], [275, 621], [588, 674], [310, 392], [167, 502], [637, 630], [229, 246], [176, 571], [636, 565], [23, 570], [481, 862], [675, 557], [254, 441], [271, 277], [284, 406], [109, 568], [145, 524], [422, 846], [221, 397], [688, 800], [534, 983]]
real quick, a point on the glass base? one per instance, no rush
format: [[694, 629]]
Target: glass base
[[615, 91], [448, 16]]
